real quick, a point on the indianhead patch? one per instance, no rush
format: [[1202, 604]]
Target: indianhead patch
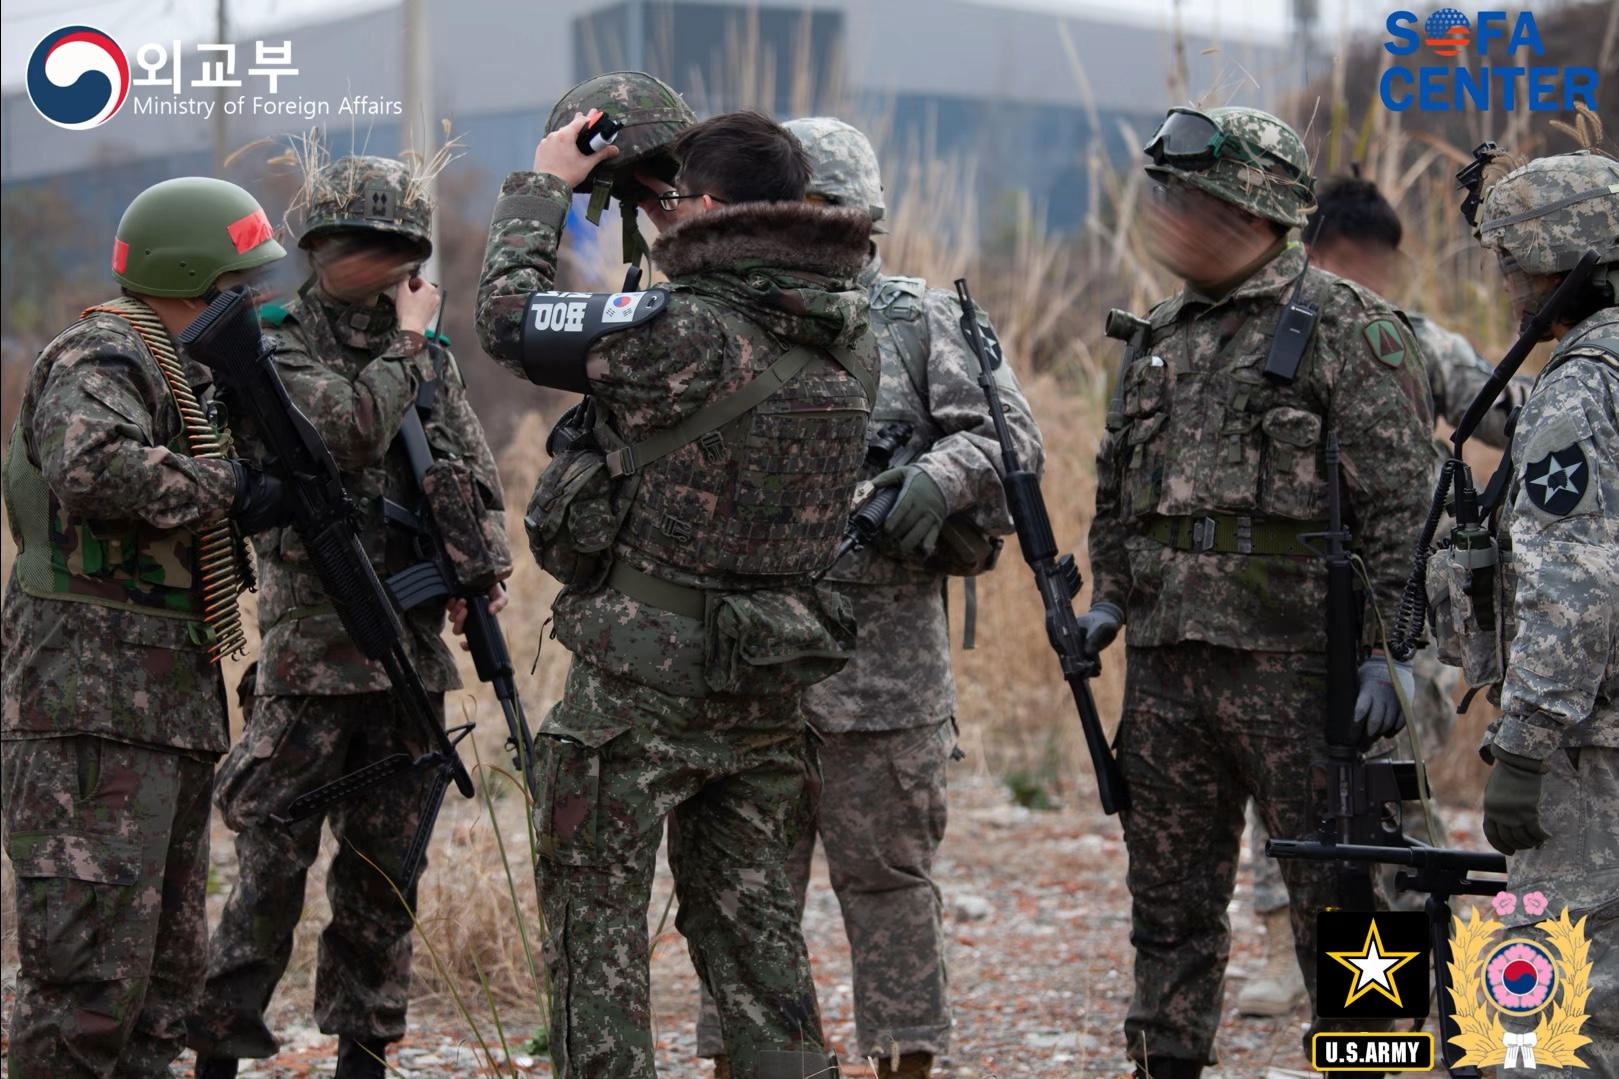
[[992, 344], [1556, 483], [1386, 341]]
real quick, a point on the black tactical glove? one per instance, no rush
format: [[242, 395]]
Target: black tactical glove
[[914, 522], [261, 499], [1512, 803], [1097, 627]]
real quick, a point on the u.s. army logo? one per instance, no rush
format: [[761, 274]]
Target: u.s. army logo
[[1518, 977], [1556, 483]]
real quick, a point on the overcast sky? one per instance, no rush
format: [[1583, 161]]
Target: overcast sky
[[26, 21]]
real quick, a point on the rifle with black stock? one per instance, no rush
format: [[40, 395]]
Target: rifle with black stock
[[435, 578], [1057, 578], [226, 339], [1361, 825]]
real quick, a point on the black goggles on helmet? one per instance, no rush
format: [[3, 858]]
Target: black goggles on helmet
[[1190, 141]]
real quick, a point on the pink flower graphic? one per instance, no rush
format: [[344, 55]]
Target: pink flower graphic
[[1504, 903], [1534, 903], [1519, 977]]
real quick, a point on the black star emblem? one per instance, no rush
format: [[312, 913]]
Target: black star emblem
[[992, 344], [1556, 483]]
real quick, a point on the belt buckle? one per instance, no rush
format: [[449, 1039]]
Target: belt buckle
[[1203, 534]]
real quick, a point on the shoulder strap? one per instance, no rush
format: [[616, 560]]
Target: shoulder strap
[[631, 459]]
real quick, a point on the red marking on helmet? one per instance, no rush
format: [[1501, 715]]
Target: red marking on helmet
[[120, 256], [250, 231]]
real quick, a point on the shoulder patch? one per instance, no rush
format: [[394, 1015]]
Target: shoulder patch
[[1388, 345], [273, 314], [1556, 483], [992, 344]]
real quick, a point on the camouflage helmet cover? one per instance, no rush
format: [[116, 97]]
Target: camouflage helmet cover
[[1546, 214], [846, 170], [177, 237], [652, 115], [375, 193], [1258, 185]]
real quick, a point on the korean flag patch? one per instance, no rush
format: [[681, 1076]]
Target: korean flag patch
[[1557, 482]]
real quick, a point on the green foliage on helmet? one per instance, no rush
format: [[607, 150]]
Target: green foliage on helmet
[[1261, 167], [1546, 214], [652, 115], [368, 193], [177, 237], [846, 170]]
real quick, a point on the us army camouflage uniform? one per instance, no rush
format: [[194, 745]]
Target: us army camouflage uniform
[[638, 735], [113, 717], [1225, 695], [1561, 698], [321, 709], [887, 719]]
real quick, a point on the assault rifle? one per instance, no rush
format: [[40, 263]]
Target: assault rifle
[[435, 578], [1361, 826], [226, 338], [1057, 578], [890, 447]]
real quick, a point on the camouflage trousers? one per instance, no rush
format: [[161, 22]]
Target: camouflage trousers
[[881, 819], [1433, 714], [1204, 729], [1578, 867], [289, 746], [110, 845], [737, 778]]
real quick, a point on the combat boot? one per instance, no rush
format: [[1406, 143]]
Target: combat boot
[[1279, 986], [911, 1066], [215, 1068], [781, 1064], [361, 1058], [1169, 1068]]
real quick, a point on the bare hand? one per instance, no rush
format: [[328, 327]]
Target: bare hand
[[558, 154], [457, 609], [417, 303]]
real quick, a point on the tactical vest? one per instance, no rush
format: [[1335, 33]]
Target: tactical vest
[[766, 494], [129, 564]]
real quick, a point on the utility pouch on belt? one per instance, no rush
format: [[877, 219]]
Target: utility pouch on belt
[[964, 549], [1470, 590], [478, 555], [775, 641]]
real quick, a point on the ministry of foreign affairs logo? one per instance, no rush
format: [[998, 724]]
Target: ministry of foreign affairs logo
[[1556, 483]]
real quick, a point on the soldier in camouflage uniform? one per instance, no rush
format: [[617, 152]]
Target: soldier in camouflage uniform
[[121, 495], [353, 350], [1208, 473], [687, 559], [887, 720], [1552, 800], [1356, 234]]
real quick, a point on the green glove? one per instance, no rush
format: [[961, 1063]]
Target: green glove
[[1512, 803], [914, 522]]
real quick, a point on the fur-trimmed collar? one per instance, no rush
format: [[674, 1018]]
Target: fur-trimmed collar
[[830, 240]]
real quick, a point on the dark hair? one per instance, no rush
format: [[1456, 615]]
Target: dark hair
[[742, 157], [1349, 208]]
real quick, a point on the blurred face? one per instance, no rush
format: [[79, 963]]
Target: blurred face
[[1202, 239], [1528, 291], [355, 271]]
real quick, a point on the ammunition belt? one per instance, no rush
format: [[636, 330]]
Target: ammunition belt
[[1235, 534]]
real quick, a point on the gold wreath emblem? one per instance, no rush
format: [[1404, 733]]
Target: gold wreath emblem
[[1558, 1034]]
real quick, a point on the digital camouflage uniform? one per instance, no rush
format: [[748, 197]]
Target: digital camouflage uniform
[[1225, 691], [887, 719], [321, 709], [640, 734], [1560, 701], [114, 712]]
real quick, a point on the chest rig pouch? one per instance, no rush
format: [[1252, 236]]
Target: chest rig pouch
[[577, 507]]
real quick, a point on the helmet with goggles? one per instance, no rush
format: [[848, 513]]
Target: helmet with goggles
[[1242, 156]]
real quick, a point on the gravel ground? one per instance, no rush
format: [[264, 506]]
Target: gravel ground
[[1037, 915]]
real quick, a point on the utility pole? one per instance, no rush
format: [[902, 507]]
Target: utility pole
[[417, 134], [221, 130]]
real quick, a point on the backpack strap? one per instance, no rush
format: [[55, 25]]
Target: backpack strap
[[631, 459]]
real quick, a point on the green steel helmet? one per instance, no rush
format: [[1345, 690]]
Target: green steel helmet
[[1242, 156], [1545, 215], [368, 193], [652, 115], [179, 236], [846, 172]]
